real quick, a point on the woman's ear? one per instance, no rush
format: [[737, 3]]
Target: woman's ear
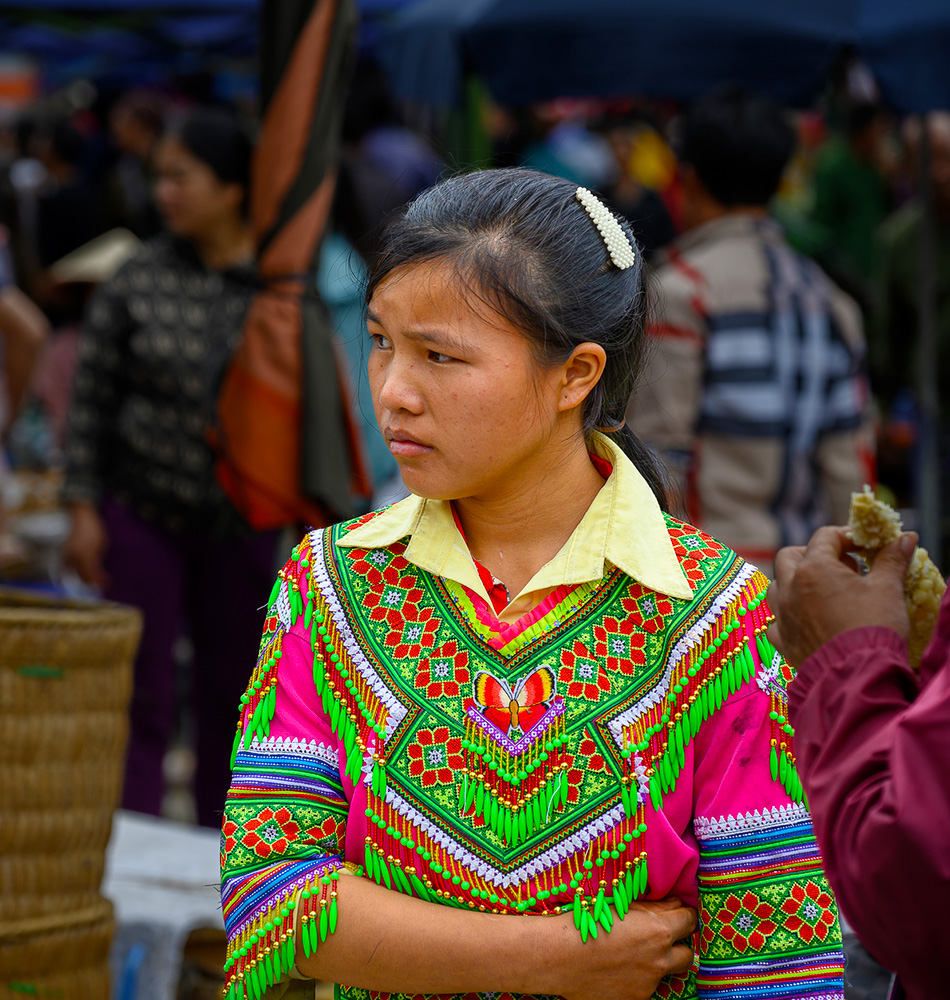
[[580, 373]]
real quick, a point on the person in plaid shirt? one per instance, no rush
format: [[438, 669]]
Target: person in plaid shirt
[[755, 392]]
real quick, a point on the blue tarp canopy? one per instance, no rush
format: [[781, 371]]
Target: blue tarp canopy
[[131, 42], [128, 6], [536, 50]]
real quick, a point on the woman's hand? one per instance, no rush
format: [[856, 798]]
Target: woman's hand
[[86, 545], [629, 962], [389, 942]]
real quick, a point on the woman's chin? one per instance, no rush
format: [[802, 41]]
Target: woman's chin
[[426, 488]]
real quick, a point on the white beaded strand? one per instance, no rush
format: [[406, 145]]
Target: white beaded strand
[[618, 246]]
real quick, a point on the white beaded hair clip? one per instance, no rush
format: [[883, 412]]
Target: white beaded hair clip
[[621, 252]]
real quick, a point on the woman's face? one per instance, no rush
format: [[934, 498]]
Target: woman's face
[[191, 197], [464, 407]]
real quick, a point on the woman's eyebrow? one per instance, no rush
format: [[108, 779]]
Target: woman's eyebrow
[[437, 336]]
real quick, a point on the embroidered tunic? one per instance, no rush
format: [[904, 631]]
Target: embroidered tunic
[[625, 743]]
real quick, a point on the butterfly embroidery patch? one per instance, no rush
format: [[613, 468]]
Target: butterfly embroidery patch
[[520, 708]]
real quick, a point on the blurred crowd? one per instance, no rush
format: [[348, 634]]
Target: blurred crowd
[[124, 216]]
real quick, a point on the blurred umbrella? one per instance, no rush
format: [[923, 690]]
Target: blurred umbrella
[[123, 6], [905, 43], [289, 450], [539, 50]]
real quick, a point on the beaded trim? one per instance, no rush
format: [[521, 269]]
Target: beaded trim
[[618, 245], [596, 872]]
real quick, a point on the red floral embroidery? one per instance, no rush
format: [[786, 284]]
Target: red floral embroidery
[[391, 601], [594, 759], [362, 519], [411, 629], [411, 634], [575, 777], [672, 987], [647, 609], [581, 674], [378, 566], [435, 757], [809, 912], [692, 547], [270, 832], [620, 645], [228, 841], [745, 922], [443, 672], [327, 832]]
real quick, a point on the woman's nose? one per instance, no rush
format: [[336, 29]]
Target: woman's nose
[[398, 389]]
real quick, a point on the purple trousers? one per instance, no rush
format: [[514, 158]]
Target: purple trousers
[[214, 592]]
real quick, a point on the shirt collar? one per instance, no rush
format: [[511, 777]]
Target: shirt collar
[[623, 527], [725, 227]]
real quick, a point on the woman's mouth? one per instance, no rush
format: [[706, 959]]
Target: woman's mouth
[[404, 446]]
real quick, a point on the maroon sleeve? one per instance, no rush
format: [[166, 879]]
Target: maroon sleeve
[[873, 751]]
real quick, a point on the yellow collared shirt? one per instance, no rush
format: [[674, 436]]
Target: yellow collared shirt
[[623, 527]]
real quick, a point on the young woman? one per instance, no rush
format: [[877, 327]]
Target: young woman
[[505, 735], [151, 526]]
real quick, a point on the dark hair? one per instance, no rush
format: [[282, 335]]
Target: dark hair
[[143, 106], [66, 141], [738, 144], [215, 137], [862, 114], [521, 242]]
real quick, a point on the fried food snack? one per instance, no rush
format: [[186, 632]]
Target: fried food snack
[[873, 525]]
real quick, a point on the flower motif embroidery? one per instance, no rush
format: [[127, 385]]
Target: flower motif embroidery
[[595, 761], [390, 601], [325, 835], [228, 841], [619, 645], [574, 776], [581, 674], [270, 832], [809, 912], [745, 922], [692, 547], [361, 520], [647, 609], [435, 757], [444, 671], [412, 633], [380, 567]]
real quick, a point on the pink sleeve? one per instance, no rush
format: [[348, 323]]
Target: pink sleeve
[[286, 816], [874, 747], [765, 906]]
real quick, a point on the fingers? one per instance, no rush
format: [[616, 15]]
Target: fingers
[[895, 557], [669, 903], [684, 922], [681, 959], [786, 562], [680, 922], [831, 541], [774, 633]]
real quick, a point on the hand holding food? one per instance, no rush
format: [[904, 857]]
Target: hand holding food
[[873, 525]]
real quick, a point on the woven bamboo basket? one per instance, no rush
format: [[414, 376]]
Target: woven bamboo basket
[[65, 683], [64, 956]]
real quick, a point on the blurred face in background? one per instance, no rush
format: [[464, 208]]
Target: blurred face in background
[[191, 197]]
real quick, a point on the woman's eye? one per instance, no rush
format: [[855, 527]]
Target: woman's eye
[[380, 342], [439, 358]]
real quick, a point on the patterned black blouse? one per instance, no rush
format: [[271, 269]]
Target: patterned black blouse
[[154, 344]]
